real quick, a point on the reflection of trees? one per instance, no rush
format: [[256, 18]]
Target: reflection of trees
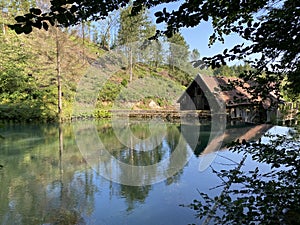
[[148, 155], [196, 136], [134, 194], [39, 183], [175, 178], [139, 153], [260, 195], [142, 155]]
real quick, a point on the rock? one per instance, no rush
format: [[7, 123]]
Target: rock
[[135, 107], [153, 105]]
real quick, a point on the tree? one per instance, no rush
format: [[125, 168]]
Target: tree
[[232, 71], [3, 15], [195, 54], [21, 97], [258, 196], [263, 22], [224, 71], [9, 9], [58, 70], [103, 30], [178, 50], [21, 6], [156, 53], [133, 28], [178, 59]]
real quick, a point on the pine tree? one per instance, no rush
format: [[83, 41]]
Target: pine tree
[[178, 51], [133, 29], [195, 55], [156, 53]]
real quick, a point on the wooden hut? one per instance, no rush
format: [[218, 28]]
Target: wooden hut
[[228, 95]]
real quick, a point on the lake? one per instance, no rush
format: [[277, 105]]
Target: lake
[[112, 172]]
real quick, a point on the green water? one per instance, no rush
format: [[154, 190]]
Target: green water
[[62, 175]]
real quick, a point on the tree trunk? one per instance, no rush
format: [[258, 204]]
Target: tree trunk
[[58, 69], [130, 62], [83, 38]]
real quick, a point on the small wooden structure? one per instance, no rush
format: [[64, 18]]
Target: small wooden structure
[[205, 91], [288, 113]]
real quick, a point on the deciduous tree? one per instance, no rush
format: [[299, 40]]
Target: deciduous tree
[[272, 27]]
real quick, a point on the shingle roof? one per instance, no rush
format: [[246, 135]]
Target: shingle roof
[[227, 89], [230, 90]]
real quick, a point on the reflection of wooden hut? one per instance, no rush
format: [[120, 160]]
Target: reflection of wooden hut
[[208, 143], [206, 90]]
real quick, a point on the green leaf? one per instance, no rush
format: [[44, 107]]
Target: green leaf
[[35, 11], [38, 24], [20, 19], [158, 14], [27, 29], [45, 25], [159, 20], [17, 28]]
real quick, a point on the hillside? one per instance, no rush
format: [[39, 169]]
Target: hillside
[[28, 78], [28, 88]]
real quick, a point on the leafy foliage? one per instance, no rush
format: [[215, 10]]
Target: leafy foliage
[[28, 89], [134, 28], [28, 77], [255, 21], [20, 95], [261, 197], [271, 26], [232, 71]]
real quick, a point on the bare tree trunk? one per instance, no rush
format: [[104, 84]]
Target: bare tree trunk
[[83, 38], [130, 62], [58, 69]]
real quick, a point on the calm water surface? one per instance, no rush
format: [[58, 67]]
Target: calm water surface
[[47, 179]]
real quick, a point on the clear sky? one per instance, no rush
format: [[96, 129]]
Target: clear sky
[[198, 37]]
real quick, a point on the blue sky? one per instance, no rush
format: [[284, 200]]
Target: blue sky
[[198, 37]]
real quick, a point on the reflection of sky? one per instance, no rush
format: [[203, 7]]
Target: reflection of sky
[[166, 149], [276, 130], [101, 201]]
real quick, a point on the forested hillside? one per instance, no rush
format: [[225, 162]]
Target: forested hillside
[[35, 66], [28, 76], [40, 71]]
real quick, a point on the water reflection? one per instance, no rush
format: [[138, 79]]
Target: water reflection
[[134, 162], [46, 179]]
